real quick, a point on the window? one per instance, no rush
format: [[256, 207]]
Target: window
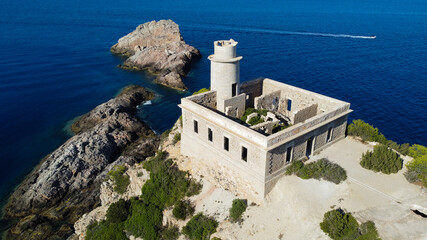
[[329, 136], [210, 135], [288, 154], [196, 126], [289, 104], [244, 154], [233, 89], [226, 142]]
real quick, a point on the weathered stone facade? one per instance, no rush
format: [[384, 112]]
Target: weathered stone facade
[[251, 158]]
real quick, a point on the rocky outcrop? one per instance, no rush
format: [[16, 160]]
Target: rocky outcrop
[[159, 48], [66, 184]]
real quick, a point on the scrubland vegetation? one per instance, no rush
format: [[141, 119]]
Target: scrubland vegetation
[[237, 209], [142, 216], [343, 226], [320, 169]]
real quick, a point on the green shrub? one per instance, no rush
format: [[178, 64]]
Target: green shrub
[[417, 150], [368, 231], [339, 225], [200, 227], [176, 138], [216, 238], [294, 167], [201, 91], [238, 207], [180, 120], [280, 127], [255, 120], [249, 111], [343, 226], [118, 212], [105, 230], [382, 160], [401, 148], [417, 170], [170, 233], [320, 169], [194, 188], [365, 131], [120, 179], [145, 220], [183, 209]]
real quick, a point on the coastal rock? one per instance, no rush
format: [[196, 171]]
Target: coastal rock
[[159, 48], [66, 183], [170, 79]]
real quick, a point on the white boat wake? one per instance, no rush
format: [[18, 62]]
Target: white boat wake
[[319, 34]]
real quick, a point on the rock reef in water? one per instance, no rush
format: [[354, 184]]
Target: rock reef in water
[[66, 184], [159, 48]]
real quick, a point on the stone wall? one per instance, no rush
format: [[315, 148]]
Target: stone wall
[[235, 106], [304, 114], [252, 88], [268, 101]]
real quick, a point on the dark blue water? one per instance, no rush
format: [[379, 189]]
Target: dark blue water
[[55, 62]]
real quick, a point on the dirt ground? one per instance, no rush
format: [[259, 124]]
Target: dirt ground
[[295, 207]]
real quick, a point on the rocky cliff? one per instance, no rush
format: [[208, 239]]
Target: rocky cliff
[[66, 184], [159, 48]]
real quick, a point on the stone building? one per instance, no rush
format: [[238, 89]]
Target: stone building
[[285, 124]]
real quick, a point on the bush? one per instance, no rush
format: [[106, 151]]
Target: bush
[[402, 148], [382, 160], [417, 170], [248, 111], [365, 131], [166, 185], [200, 227], [343, 226], [194, 188], [183, 209], [170, 233], [320, 169], [255, 120], [176, 138], [368, 231], [339, 225], [105, 230], [417, 150], [145, 220], [280, 127], [118, 212], [120, 179], [294, 167], [237, 208]]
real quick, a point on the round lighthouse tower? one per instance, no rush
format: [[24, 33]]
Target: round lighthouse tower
[[225, 71]]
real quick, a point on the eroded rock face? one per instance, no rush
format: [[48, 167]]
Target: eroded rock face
[[159, 48], [66, 183]]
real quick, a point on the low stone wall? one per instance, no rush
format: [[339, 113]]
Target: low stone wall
[[235, 106], [268, 101]]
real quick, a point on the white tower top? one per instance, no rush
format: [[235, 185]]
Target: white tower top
[[225, 71]]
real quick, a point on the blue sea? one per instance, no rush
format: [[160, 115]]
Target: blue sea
[[55, 62]]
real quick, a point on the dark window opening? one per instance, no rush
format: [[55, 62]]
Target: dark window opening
[[226, 142], [329, 136], [288, 154], [309, 147], [196, 126], [244, 154], [210, 134], [233, 89], [289, 104]]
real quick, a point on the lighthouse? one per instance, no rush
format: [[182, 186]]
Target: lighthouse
[[225, 71]]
